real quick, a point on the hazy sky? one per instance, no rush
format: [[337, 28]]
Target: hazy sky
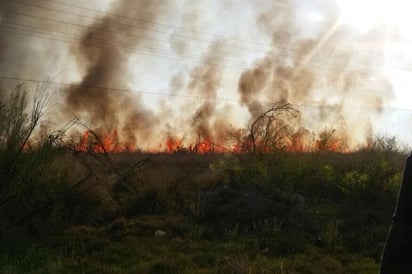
[[195, 67]]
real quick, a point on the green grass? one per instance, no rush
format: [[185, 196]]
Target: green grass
[[178, 255], [62, 211], [347, 212]]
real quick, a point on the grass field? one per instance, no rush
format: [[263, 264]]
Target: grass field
[[260, 211], [322, 213]]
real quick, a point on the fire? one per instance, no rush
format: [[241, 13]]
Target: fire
[[202, 146], [328, 141], [82, 145], [297, 142], [91, 142], [173, 145], [334, 146], [109, 143], [300, 141]]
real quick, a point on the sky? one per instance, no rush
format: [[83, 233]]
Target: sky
[[195, 68]]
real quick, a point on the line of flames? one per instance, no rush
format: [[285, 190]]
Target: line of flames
[[90, 142]]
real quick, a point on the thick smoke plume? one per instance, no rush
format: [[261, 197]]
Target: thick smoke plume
[[205, 81], [106, 66], [323, 69], [22, 54]]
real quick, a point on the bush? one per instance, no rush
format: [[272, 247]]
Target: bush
[[240, 205], [42, 186], [25, 184], [164, 267], [147, 202]]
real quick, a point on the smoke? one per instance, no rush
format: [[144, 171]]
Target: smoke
[[23, 54], [323, 69], [251, 84], [107, 67], [205, 80]]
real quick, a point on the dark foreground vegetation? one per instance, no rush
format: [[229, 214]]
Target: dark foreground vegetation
[[64, 211]]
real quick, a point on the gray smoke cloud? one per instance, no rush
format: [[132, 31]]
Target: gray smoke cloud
[[205, 80], [21, 53], [324, 69], [107, 66]]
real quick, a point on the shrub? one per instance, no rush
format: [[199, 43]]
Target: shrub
[[149, 201], [38, 176], [25, 186]]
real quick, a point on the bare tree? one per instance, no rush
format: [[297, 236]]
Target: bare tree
[[271, 128]]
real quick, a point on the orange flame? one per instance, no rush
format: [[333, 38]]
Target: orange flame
[[173, 145], [91, 142], [297, 143], [300, 141]]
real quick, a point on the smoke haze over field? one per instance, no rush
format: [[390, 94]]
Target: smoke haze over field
[[150, 70]]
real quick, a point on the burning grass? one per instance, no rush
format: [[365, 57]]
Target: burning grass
[[96, 205], [108, 224], [326, 141], [273, 130]]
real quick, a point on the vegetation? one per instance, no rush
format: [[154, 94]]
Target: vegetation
[[271, 211]]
